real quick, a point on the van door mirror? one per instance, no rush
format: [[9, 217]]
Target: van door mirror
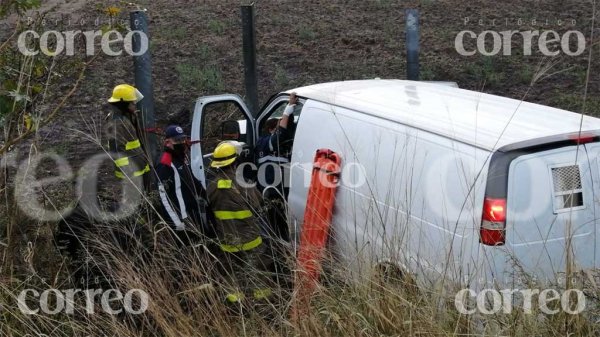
[[230, 130]]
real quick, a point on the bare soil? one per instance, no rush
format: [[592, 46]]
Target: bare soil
[[197, 50]]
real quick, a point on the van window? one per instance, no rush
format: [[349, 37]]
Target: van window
[[277, 112], [216, 124], [567, 190]]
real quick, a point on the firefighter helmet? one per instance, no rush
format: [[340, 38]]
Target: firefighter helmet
[[125, 93], [225, 154]]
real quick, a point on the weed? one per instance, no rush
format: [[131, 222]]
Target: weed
[[580, 73], [176, 33], [281, 78], [216, 27], [306, 33], [486, 70], [495, 79], [525, 75], [427, 74], [61, 149], [488, 66], [573, 102], [206, 78], [205, 53], [383, 4], [428, 3], [212, 78]]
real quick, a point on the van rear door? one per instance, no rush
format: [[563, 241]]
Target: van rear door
[[593, 154], [550, 198]]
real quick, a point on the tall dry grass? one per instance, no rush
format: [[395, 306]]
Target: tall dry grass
[[186, 288]]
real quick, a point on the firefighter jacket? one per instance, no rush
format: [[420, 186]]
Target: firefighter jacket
[[126, 148], [236, 210]]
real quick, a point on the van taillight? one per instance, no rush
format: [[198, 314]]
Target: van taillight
[[582, 138], [493, 222]]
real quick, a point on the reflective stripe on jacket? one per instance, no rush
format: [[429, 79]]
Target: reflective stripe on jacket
[[182, 196], [124, 143], [235, 209]]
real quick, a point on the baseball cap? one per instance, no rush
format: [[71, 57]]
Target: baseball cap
[[175, 132]]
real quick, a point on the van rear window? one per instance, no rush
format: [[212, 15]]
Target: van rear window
[[568, 193]]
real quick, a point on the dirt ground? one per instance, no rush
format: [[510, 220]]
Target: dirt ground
[[197, 50]]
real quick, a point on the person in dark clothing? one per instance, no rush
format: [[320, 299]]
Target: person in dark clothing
[[125, 137], [110, 207], [131, 174], [183, 198], [273, 149], [273, 152], [125, 140]]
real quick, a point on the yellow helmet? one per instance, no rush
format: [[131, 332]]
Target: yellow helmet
[[225, 154], [125, 93]]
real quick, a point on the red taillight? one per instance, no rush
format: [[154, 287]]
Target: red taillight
[[494, 210], [582, 138], [493, 222]]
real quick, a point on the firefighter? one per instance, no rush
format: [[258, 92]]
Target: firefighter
[[132, 172], [124, 135], [183, 198], [236, 208], [78, 234]]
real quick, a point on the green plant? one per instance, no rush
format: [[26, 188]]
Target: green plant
[[495, 79], [18, 6], [281, 77], [383, 4], [205, 53], [216, 27], [176, 33], [486, 70], [306, 33], [428, 3], [212, 78], [207, 78], [574, 102], [525, 75], [427, 74]]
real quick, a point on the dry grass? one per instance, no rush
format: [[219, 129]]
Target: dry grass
[[186, 292], [376, 304]]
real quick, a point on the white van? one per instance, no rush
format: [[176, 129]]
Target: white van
[[438, 181]]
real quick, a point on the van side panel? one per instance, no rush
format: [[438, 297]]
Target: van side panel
[[406, 195]]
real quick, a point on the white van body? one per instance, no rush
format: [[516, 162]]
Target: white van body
[[419, 162]]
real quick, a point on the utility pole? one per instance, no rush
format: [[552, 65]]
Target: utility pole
[[412, 44], [143, 80], [249, 45]]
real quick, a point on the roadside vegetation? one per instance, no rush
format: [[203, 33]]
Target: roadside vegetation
[[55, 104]]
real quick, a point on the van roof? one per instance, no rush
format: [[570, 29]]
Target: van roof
[[486, 121]]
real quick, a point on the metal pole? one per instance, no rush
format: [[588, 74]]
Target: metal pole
[[143, 80], [412, 44], [249, 45]]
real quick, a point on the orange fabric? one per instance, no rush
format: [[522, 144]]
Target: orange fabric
[[317, 220]]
